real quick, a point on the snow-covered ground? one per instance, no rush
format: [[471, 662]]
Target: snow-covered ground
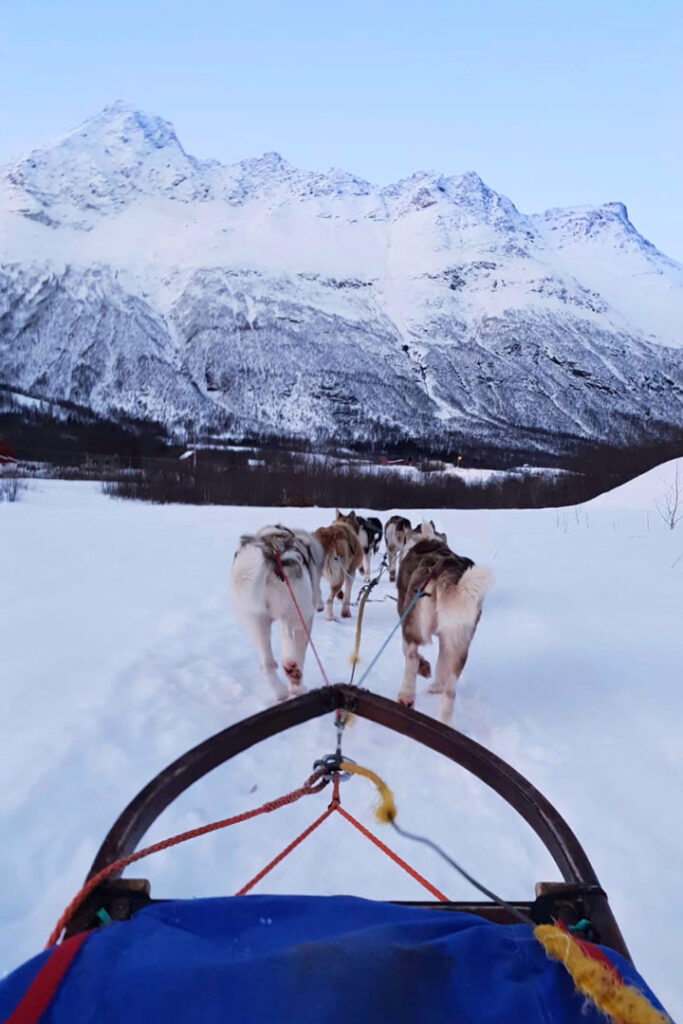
[[119, 652]]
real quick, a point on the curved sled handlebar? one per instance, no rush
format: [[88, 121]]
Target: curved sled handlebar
[[538, 812]]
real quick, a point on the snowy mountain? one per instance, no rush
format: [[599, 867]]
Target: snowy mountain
[[138, 281]]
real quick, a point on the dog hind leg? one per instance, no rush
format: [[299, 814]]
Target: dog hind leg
[[406, 695], [346, 603], [259, 628], [294, 642], [456, 648], [442, 672], [335, 591]]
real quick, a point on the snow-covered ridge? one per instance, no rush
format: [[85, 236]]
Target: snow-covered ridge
[[122, 154], [138, 280]]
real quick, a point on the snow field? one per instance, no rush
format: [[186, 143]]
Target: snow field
[[120, 652]]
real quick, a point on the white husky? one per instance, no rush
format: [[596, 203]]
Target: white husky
[[260, 597]]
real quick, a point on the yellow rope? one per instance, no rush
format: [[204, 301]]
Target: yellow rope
[[386, 811], [623, 1003], [359, 625]]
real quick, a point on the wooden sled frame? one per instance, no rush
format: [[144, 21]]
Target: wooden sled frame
[[578, 897]]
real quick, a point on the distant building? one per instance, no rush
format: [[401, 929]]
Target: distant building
[[7, 454]]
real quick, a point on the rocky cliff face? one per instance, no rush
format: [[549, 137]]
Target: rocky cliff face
[[138, 281]]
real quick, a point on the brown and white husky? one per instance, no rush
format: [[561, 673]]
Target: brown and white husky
[[343, 555], [260, 597], [450, 609], [395, 531]]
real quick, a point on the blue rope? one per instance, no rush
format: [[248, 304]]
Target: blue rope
[[419, 593], [347, 574]]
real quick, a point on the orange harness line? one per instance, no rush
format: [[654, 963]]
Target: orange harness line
[[335, 805], [312, 785]]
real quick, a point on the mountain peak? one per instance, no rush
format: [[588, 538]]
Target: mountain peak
[[101, 165], [594, 222], [123, 123], [270, 161], [618, 209]]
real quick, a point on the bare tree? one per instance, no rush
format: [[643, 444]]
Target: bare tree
[[670, 507], [11, 485]]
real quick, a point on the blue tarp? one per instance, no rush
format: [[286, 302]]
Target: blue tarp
[[310, 959]]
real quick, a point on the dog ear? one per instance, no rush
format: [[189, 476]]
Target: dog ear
[[427, 529], [337, 514]]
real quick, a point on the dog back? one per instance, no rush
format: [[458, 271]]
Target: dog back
[[298, 551], [341, 540], [429, 560]]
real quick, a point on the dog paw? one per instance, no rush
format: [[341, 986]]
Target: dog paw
[[293, 672], [436, 687], [392, 577], [320, 608], [424, 669], [406, 700], [346, 613]]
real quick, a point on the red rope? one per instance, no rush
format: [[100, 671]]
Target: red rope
[[299, 839], [394, 856], [117, 866], [335, 805], [288, 849], [284, 578]]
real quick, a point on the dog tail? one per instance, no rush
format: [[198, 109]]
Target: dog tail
[[248, 575], [473, 585], [460, 606], [332, 568]]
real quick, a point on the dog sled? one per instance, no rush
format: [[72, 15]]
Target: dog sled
[[118, 954]]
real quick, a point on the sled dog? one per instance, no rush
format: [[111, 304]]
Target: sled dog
[[260, 597], [425, 531], [450, 609], [343, 555], [369, 533], [395, 531]]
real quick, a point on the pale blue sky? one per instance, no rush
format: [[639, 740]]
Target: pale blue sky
[[552, 103]]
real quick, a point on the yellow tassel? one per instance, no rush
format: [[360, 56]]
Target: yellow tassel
[[623, 1003], [386, 811]]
